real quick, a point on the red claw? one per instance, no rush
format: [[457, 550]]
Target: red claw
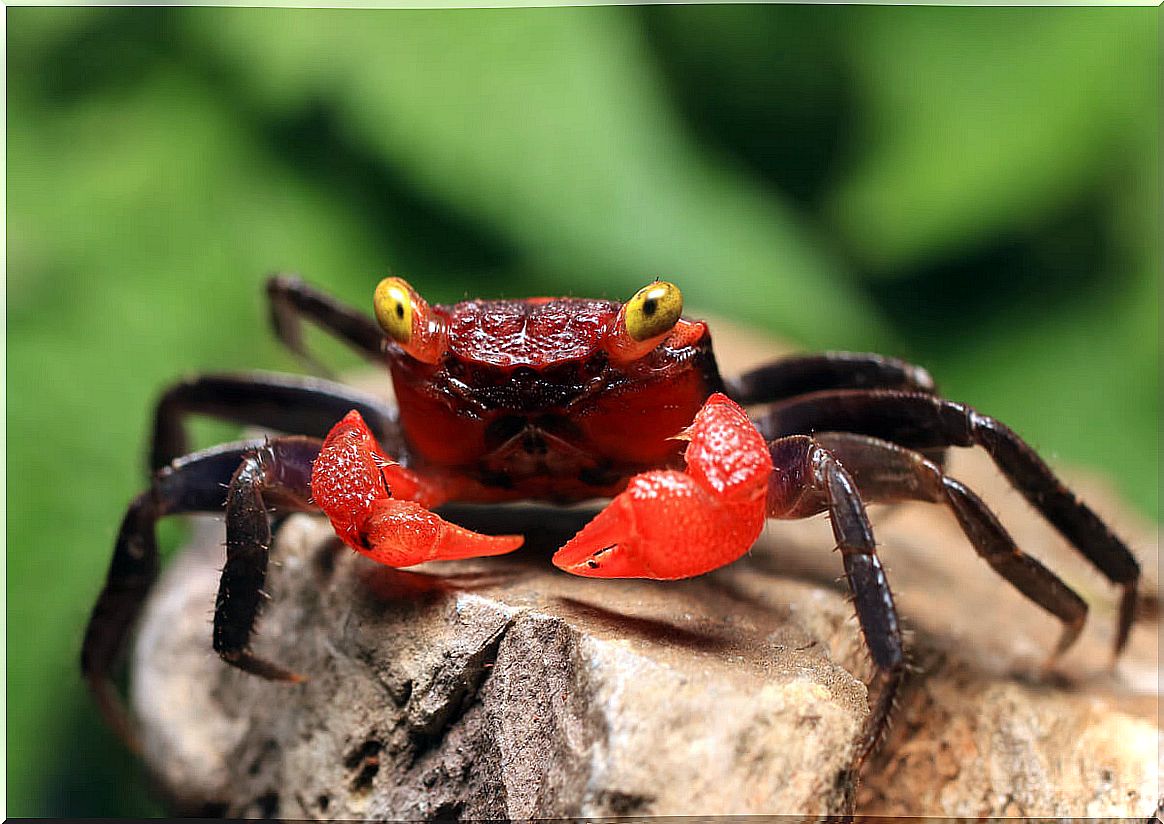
[[379, 508], [403, 533], [669, 524], [664, 525]]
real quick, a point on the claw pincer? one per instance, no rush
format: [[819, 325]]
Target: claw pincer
[[380, 509], [671, 524]]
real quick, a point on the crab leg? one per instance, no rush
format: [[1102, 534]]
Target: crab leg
[[886, 472], [285, 403], [800, 374], [381, 509], [251, 476], [919, 421], [292, 301]]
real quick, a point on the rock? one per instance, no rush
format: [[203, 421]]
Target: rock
[[497, 689], [502, 688], [982, 732]]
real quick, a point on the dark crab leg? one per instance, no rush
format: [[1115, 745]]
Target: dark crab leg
[[808, 479], [886, 472], [292, 301], [278, 475], [800, 374], [195, 483], [286, 403], [920, 421]]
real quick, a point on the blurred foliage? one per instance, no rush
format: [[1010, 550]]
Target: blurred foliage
[[973, 189]]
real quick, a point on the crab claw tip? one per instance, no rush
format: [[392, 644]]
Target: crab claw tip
[[602, 549], [610, 561]]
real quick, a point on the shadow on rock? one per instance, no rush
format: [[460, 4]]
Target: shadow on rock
[[649, 629]]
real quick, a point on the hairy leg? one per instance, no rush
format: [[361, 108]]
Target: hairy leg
[[194, 483], [286, 403], [800, 374], [886, 472], [276, 475], [808, 480], [292, 301], [919, 421]]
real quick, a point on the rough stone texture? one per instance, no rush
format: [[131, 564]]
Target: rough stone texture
[[981, 733], [496, 688], [503, 688]]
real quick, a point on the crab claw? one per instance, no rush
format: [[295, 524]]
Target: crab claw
[[354, 483], [668, 524], [403, 533], [664, 525]]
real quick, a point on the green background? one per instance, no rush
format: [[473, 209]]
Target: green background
[[972, 189]]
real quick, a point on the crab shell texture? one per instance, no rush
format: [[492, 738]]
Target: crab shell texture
[[527, 402]]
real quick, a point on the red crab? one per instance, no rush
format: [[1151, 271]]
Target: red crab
[[563, 399]]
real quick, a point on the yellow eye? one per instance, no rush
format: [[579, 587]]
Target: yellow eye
[[653, 310], [393, 304]]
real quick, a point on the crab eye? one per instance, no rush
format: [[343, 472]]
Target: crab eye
[[653, 310], [393, 304]]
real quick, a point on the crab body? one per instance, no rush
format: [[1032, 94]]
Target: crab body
[[525, 403], [561, 400], [551, 399]]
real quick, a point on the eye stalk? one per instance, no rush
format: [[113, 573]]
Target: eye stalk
[[393, 304], [653, 311], [407, 318], [645, 321]]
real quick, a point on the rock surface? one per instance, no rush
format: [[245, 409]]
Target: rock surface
[[503, 688], [499, 688]]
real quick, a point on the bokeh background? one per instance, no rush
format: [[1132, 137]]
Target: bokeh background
[[976, 190]]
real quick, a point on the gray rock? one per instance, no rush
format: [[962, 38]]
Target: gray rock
[[497, 688]]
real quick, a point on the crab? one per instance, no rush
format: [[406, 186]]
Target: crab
[[562, 400]]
